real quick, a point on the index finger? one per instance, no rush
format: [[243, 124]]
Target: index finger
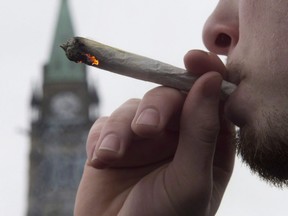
[[198, 62]]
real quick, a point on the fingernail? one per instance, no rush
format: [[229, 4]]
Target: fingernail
[[110, 143], [149, 117], [94, 156]]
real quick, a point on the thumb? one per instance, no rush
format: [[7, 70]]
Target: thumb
[[199, 130]]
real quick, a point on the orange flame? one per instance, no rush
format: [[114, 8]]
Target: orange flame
[[93, 59]]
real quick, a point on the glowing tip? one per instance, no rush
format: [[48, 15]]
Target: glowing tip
[[92, 59]]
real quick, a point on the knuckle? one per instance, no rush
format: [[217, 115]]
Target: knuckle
[[208, 132], [162, 92], [94, 134], [132, 102], [126, 109], [98, 124], [204, 131], [207, 135]]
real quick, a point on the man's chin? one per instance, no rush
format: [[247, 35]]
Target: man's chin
[[265, 153]]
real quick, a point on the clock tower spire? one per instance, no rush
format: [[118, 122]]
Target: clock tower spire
[[62, 113], [58, 69]]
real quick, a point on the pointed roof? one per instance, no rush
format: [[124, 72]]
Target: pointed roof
[[59, 69]]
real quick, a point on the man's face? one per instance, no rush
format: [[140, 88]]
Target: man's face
[[254, 36]]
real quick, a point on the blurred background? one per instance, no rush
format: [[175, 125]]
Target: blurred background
[[163, 29]]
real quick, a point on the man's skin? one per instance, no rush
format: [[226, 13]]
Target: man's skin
[[172, 153]]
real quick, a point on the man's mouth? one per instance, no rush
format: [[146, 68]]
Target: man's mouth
[[234, 72], [234, 77]]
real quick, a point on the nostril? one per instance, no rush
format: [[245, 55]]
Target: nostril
[[223, 40]]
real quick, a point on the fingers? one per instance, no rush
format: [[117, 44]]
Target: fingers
[[93, 136], [199, 62], [223, 160], [193, 161], [136, 134], [164, 125], [157, 109], [225, 150], [200, 123], [111, 136]]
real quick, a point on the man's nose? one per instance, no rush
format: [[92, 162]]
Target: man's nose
[[221, 30]]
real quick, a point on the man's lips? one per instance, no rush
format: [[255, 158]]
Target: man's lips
[[238, 106], [234, 77], [234, 72]]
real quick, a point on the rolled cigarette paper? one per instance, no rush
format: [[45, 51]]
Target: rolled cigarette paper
[[82, 50]]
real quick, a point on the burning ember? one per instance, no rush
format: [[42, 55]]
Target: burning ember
[[92, 59]]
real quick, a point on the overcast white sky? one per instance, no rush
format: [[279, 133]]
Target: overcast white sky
[[161, 29]]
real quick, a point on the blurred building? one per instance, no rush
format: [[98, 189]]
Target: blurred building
[[63, 110]]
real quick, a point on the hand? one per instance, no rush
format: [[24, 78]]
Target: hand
[[168, 154]]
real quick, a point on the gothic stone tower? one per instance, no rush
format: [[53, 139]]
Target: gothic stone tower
[[61, 117]]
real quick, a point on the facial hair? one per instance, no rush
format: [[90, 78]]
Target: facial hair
[[265, 148]]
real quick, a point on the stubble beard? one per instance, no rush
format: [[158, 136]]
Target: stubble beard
[[264, 145], [265, 148]]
